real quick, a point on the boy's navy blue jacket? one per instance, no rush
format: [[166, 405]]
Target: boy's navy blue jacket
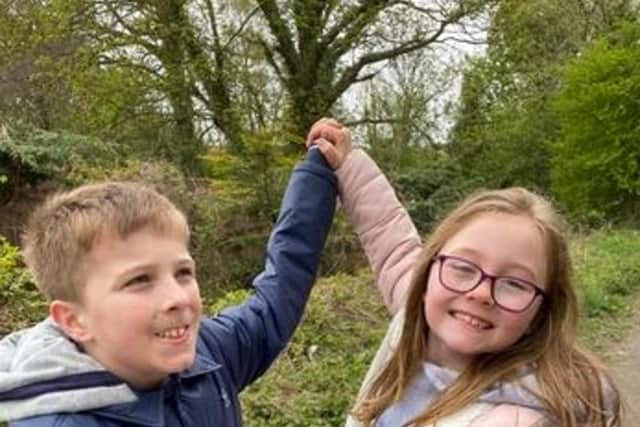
[[234, 348]]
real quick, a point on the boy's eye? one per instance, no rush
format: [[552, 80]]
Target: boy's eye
[[138, 280]]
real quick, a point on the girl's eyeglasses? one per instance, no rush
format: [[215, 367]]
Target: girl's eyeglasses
[[509, 293]]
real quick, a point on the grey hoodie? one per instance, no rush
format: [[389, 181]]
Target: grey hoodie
[[42, 371]]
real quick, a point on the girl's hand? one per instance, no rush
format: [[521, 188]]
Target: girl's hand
[[333, 140]]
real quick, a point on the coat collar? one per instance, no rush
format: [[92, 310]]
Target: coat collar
[[148, 409]]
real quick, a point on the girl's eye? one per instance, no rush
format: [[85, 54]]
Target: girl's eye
[[185, 273], [140, 279], [514, 285], [461, 269]]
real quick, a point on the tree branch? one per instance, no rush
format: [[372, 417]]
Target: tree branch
[[372, 121], [350, 74], [282, 34], [214, 26], [350, 16], [269, 55], [243, 24]]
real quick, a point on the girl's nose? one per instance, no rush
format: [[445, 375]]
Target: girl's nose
[[482, 293]]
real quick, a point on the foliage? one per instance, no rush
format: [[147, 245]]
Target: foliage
[[318, 49], [505, 119], [29, 155], [429, 187], [315, 380], [596, 161], [237, 208], [202, 71], [500, 131], [20, 301], [37, 50], [608, 277], [402, 135]]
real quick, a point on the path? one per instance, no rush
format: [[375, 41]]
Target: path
[[624, 361]]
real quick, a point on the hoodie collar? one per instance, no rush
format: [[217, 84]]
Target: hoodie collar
[[43, 372], [148, 409], [520, 392]]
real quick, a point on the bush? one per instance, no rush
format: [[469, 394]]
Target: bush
[[21, 304], [315, 380], [431, 186], [236, 209], [607, 267], [29, 155]]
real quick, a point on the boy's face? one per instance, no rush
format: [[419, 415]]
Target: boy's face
[[141, 306]]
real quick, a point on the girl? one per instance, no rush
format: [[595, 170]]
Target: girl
[[484, 326]]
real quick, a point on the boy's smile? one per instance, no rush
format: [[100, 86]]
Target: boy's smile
[[141, 306]]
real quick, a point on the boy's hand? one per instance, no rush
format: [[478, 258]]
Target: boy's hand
[[333, 140]]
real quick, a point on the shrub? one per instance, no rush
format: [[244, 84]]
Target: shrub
[[29, 155], [429, 187], [20, 301], [315, 380]]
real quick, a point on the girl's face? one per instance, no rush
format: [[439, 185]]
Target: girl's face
[[463, 326]]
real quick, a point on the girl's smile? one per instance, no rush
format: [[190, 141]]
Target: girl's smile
[[465, 325]]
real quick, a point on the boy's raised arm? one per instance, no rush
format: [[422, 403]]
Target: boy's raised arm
[[250, 336]]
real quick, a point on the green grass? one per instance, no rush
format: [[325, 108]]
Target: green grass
[[607, 264]]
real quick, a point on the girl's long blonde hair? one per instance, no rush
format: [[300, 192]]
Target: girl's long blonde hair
[[573, 386]]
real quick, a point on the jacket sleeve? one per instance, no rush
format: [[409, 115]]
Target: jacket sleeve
[[247, 338], [386, 232]]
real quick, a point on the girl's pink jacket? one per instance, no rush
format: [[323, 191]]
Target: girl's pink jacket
[[392, 245]]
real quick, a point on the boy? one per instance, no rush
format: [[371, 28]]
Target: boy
[[125, 344]]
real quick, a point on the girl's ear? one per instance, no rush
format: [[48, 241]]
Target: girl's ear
[[70, 318]]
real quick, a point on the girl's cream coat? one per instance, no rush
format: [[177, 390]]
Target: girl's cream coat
[[392, 245]]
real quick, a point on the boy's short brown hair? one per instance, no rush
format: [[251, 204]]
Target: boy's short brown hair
[[62, 231]]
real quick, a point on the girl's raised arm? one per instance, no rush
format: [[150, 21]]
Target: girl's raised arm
[[386, 232]]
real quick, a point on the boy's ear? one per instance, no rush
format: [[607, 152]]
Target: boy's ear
[[70, 318]]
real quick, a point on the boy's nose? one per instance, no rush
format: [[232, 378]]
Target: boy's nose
[[176, 295]]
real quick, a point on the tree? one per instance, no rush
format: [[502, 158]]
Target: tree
[[596, 156], [319, 49], [50, 77], [197, 72], [499, 136], [35, 42], [161, 40], [402, 110], [505, 118]]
